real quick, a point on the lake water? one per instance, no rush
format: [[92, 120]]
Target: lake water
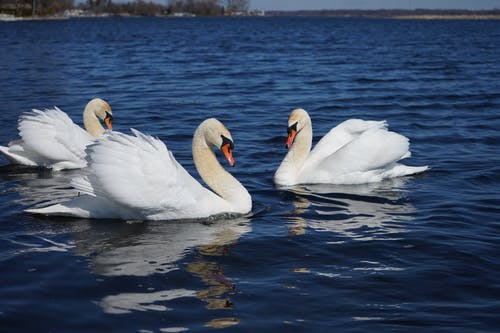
[[409, 255]]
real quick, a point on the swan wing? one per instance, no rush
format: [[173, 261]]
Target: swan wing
[[53, 136], [339, 136], [374, 150], [140, 174]]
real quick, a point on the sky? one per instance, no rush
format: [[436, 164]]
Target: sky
[[373, 4]]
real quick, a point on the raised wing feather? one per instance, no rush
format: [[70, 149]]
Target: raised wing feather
[[140, 173], [53, 135], [339, 136], [374, 149]]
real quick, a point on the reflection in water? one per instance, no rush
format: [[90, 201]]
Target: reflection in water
[[361, 212], [140, 249], [223, 322], [128, 302], [218, 284], [39, 186]]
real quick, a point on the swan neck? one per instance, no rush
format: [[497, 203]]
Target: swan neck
[[92, 123], [291, 166], [213, 174], [302, 146]]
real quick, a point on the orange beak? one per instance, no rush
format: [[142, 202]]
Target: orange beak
[[107, 121], [228, 153], [291, 137]]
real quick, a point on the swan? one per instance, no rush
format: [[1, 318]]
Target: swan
[[135, 177], [354, 152], [50, 139]]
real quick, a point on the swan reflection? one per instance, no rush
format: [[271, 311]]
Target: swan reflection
[[361, 212], [128, 302], [134, 249], [39, 186], [143, 249]]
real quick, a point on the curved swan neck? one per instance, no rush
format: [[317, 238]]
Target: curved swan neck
[[91, 122], [294, 160], [301, 146], [213, 174]]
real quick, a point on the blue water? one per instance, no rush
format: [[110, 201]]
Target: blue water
[[418, 254]]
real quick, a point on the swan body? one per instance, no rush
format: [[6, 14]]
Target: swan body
[[137, 177], [50, 139], [354, 152]]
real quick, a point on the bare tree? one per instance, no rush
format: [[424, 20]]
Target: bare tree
[[233, 6], [99, 6], [198, 7]]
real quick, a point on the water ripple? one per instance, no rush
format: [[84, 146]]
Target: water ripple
[[419, 253]]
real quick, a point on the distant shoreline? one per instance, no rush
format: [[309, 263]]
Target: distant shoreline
[[447, 17], [417, 14]]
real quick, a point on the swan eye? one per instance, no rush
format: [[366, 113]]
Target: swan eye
[[292, 128], [108, 116], [226, 141]]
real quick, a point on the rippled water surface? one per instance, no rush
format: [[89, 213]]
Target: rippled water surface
[[413, 254]]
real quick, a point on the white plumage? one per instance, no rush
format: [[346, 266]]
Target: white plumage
[[354, 152], [50, 139], [137, 177]]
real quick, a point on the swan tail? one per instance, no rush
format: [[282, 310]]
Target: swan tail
[[401, 170], [59, 210], [5, 150], [13, 154]]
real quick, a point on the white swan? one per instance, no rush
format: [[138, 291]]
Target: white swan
[[354, 152], [137, 177], [50, 139]]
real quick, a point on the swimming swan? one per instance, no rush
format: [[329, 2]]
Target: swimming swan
[[137, 177], [354, 152], [50, 139]]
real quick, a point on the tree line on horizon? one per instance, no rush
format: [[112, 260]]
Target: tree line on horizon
[[135, 7], [203, 8], [208, 7], [377, 13]]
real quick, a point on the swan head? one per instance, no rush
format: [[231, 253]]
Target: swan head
[[298, 119], [101, 109], [218, 135]]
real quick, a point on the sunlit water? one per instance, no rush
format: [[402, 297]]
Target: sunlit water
[[413, 254]]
